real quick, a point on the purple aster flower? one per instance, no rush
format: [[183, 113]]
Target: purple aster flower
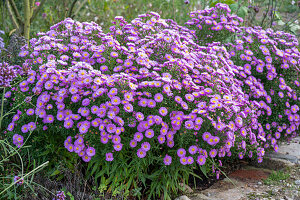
[[213, 153], [220, 126], [141, 153], [86, 158], [167, 160], [109, 157], [189, 97], [161, 139], [239, 122], [74, 39], [128, 96], [115, 100], [18, 180], [104, 140], [11, 126], [16, 117], [149, 133], [206, 136], [198, 121], [30, 111], [189, 124], [116, 139], [158, 97], [146, 146], [86, 102], [77, 148], [243, 132], [84, 112], [183, 160], [24, 128], [70, 147], [139, 116], [60, 115], [128, 107], [170, 143], [68, 124], [111, 114], [143, 102], [133, 143], [7, 94], [151, 103], [190, 160], [118, 147], [90, 151], [163, 111], [61, 106], [49, 118], [94, 109], [83, 129], [201, 160], [138, 136], [111, 128], [79, 140], [181, 152], [31, 126], [193, 149], [114, 54]]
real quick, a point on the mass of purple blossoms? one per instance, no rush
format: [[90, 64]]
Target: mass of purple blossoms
[[267, 65], [154, 88], [7, 74]]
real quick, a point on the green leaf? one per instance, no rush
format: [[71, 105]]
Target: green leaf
[[277, 15], [55, 173], [70, 195], [242, 11], [234, 7], [203, 170], [280, 23], [294, 28], [105, 8]]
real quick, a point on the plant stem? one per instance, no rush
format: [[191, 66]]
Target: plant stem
[[22, 178], [11, 15], [15, 10], [262, 22], [71, 8], [36, 11], [2, 106], [27, 15]]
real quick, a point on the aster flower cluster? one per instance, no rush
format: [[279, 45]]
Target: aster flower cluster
[[7, 74], [217, 21], [18, 140], [267, 65], [146, 88], [60, 195], [17, 179]]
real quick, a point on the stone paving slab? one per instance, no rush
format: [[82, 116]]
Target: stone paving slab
[[289, 152]]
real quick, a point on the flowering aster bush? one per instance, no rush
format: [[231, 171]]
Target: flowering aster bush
[[267, 64], [162, 99], [148, 97]]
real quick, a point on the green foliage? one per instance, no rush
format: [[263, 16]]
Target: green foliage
[[276, 176], [141, 177]]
